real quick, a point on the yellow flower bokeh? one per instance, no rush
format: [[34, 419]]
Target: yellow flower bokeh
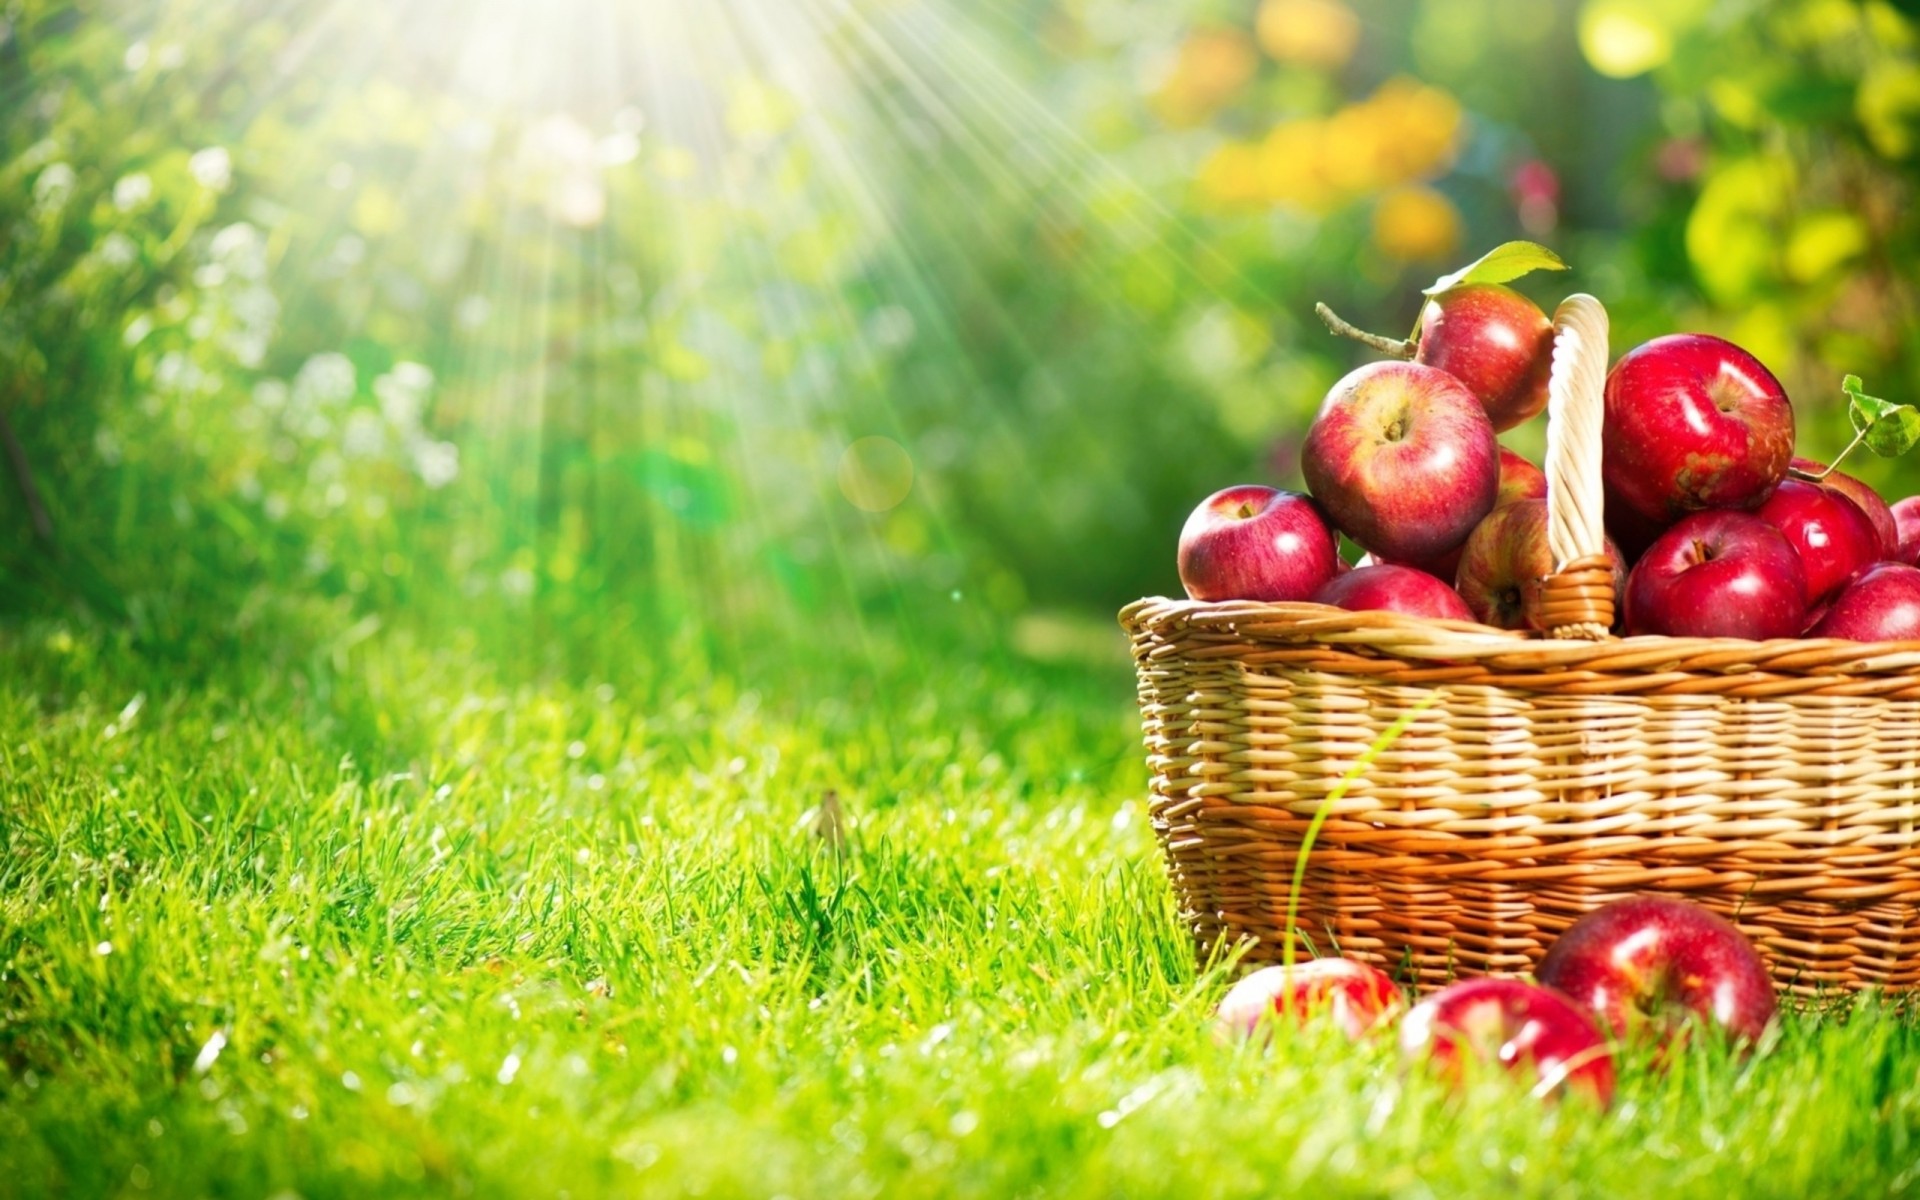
[[1405, 132], [1231, 176], [1416, 224], [1308, 33], [1209, 70]]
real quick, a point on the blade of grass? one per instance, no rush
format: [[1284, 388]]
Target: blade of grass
[[1387, 737]]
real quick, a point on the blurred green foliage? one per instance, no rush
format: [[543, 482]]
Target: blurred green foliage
[[579, 313]]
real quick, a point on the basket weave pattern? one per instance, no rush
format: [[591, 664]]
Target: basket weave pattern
[[1776, 783]]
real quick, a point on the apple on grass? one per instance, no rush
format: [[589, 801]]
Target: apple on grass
[[1693, 422], [1505, 561], [1509, 1025], [1834, 539], [1869, 501], [1404, 460], [1256, 543], [1354, 995], [1496, 342], [1386, 587], [1881, 605], [1650, 966], [1718, 574]]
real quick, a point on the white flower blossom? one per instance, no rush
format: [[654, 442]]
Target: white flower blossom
[[131, 191], [248, 349], [326, 378], [365, 435], [212, 168], [51, 189], [437, 462], [255, 307], [402, 393], [117, 250], [241, 249]]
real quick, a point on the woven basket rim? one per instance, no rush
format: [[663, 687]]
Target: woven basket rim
[[1432, 641]]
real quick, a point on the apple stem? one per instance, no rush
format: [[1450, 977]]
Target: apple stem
[[1817, 476], [1392, 347]]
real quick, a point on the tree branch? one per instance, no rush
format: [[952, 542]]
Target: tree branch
[[1385, 345]]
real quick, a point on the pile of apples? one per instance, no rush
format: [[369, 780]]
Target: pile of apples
[[1646, 971], [1715, 528]]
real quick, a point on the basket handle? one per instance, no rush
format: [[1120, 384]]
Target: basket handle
[[1577, 600]]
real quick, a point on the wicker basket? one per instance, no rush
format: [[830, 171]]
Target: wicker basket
[[1777, 783]]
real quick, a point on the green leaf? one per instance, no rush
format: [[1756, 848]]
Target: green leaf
[[1504, 262], [1887, 428], [1896, 433]]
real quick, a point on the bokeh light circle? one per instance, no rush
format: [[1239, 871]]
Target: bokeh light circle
[[876, 474], [1625, 38]]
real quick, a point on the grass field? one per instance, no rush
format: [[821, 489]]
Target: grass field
[[380, 920]]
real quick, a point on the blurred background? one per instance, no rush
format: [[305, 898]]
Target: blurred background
[[751, 325]]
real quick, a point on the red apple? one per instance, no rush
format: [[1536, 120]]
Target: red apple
[[1256, 543], [1815, 615], [1495, 341], [1355, 996], [1906, 521], [1834, 539], [1515, 1026], [1650, 966], [1858, 492], [1718, 574], [1881, 605], [1519, 480], [1404, 460], [1504, 562], [1693, 422], [1390, 588], [1442, 568], [1629, 530]]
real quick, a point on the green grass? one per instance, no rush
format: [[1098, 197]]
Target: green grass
[[382, 920]]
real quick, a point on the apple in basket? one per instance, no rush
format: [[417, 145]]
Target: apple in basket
[[1482, 1026], [1693, 422], [1390, 588], [1906, 518], [1869, 501], [1496, 342], [1718, 574], [1519, 480], [1256, 543], [1881, 605], [1404, 460], [1354, 995], [1629, 530], [1834, 539], [1651, 966], [1504, 562]]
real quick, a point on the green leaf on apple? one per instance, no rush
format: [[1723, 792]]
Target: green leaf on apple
[[1503, 263], [1887, 428]]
